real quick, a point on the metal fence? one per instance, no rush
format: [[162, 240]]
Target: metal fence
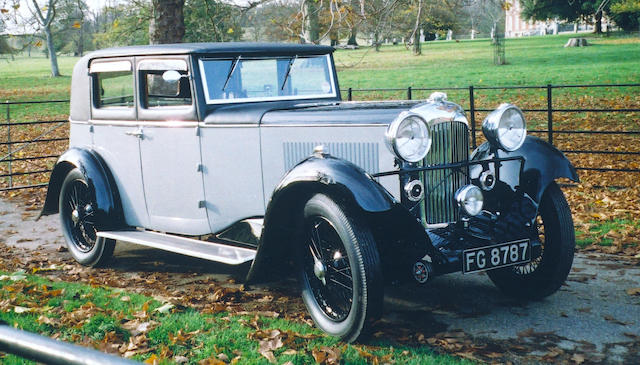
[[550, 110], [22, 154], [20, 147]]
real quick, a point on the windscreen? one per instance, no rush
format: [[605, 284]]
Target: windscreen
[[262, 79]]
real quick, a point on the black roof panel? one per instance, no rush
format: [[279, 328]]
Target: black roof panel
[[223, 48]]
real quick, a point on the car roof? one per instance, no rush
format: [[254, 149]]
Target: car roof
[[222, 49]]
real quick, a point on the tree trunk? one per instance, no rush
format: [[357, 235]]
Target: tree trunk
[[352, 37], [310, 14], [598, 25], [80, 44], [416, 32], [55, 72], [167, 23]]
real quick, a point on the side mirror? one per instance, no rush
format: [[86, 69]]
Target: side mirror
[[171, 76]]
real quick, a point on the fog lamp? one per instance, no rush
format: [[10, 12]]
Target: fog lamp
[[470, 199]]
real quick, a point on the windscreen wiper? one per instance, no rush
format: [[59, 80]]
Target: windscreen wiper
[[286, 75], [231, 70]]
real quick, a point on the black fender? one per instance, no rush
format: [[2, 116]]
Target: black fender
[[340, 179], [100, 181], [543, 163]]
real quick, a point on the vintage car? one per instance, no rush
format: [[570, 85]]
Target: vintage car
[[245, 153]]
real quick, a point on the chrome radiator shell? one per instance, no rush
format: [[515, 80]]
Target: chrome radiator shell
[[450, 144]]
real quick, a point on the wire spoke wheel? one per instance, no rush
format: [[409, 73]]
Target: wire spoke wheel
[[339, 269], [78, 216], [547, 271], [328, 270], [531, 266], [80, 223]]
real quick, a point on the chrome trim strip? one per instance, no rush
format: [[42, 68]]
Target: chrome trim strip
[[165, 123], [212, 251], [145, 123], [301, 125], [229, 125]]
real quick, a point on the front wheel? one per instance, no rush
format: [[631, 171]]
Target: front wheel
[[79, 222], [545, 274], [339, 265]]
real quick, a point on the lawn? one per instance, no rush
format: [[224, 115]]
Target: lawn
[[145, 329], [530, 61]]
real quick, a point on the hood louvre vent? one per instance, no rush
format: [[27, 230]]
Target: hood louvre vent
[[362, 154]]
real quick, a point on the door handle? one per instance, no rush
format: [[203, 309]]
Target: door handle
[[137, 133]]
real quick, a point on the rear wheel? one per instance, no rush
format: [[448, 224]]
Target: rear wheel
[[340, 274], [79, 224], [545, 274]]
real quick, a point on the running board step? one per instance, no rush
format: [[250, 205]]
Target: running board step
[[218, 252]]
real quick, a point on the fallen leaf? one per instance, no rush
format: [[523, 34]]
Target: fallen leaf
[[613, 320], [633, 291], [578, 358], [152, 360], [18, 309], [268, 355], [165, 308]]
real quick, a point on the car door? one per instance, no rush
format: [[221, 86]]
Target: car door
[[170, 147], [114, 128]]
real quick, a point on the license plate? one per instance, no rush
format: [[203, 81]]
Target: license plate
[[493, 257]]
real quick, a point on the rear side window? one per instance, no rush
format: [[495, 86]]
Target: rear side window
[[113, 82], [162, 89]]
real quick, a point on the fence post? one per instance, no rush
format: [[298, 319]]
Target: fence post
[[409, 93], [350, 94], [472, 111], [550, 114], [9, 144]]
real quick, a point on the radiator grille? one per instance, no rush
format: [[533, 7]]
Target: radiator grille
[[450, 144], [362, 154]]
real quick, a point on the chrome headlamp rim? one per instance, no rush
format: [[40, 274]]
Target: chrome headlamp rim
[[470, 199], [392, 133], [491, 125]]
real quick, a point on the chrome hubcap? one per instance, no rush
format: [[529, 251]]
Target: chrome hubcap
[[75, 216], [320, 271]]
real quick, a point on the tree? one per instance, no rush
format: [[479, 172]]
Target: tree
[[5, 48], [626, 14], [310, 25], [167, 22], [212, 21], [73, 27], [567, 10], [123, 24], [376, 16], [45, 22]]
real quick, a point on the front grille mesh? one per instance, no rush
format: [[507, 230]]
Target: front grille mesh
[[450, 143]]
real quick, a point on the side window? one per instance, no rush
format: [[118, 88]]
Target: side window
[[113, 81], [165, 83]]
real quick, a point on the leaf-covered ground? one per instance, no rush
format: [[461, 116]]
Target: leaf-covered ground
[[456, 315]]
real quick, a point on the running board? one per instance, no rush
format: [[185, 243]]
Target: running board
[[212, 251]]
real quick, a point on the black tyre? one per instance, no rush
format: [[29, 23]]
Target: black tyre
[[340, 273], [545, 274], [79, 225]]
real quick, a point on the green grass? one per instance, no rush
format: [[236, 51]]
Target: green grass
[[598, 231], [95, 316], [530, 61]]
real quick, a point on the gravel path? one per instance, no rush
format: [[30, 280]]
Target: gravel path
[[594, 318]]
